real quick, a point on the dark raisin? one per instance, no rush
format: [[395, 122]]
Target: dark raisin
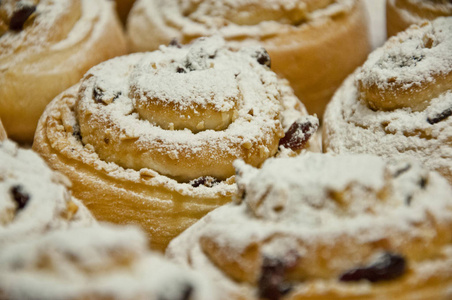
[[20, 16], [439, 117], [186, 294], [402, 170], [207, 181], [389, 267], [272, 284], [107, 140], [298, 135], [423, 182], [20, 196], [263, 58], [181, 70], [98, 93], [175, 43]]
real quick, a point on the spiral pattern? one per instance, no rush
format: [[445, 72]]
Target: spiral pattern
[[150, 138], [399, 102], [45, 47], [327, 227]]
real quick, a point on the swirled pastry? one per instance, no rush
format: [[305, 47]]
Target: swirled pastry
[[327, 227], [33, 198], [45, 47], [2, 132], [314, 44], [399, 102], [400, 14], [150, 138], [95, 263]]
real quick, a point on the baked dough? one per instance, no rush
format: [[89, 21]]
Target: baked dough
[[34, 199], [400, 14], [130, 165], [399, 102], [123, 7], [45, 47], [313, 44], [2, 132], [102, 262], [327, 227]]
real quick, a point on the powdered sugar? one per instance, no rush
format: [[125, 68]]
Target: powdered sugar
[[103, 261], [43, 191]]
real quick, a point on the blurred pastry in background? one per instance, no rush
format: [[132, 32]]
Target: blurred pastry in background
[[313, 44], [45, 47]]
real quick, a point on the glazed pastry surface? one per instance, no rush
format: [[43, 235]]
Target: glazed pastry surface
[[327, 227]]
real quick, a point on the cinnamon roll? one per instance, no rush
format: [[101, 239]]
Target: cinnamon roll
[[103, 262], [314, 44], [2, 132], [400, 14], [33, 198], [399, 102], [327, 227], [45, 47], [150, 138]]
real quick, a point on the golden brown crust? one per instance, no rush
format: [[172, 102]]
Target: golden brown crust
[[315, 55], [32, 78], [400, 14], [3, 135]]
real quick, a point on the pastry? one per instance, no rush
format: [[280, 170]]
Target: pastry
[[314, 44], [399, 102], [33, 198], [2, 132], [327, 227], [45, 47], [150, 138], [102, 262], [400, 14], [123, 7]]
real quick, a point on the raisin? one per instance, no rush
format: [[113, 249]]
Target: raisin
[[98, 94], [263, 58], [181, 70], [272, 284], [207, 181], [439, 117], [298, 135], [389, 267], [20, 196], [20, 16], [174, 43]]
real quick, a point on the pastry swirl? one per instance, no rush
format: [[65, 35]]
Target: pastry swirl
[[327, 227], [400, 14], [102, 262], [162, 129], [399, 102], [45, 47], [33, 198], [298, 34]]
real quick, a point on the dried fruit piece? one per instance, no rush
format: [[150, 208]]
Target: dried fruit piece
[[441, 116], [272, 284], [389, 267], [263, 57], [174, 43], [207, 181], [298, 135], [20, 16], [20, 196]]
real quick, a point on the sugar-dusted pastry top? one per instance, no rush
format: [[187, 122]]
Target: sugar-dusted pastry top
[[308, 225], [29, 27], [399, 102], [33, 198], [102, 262], [237, 19], [187, 112]]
